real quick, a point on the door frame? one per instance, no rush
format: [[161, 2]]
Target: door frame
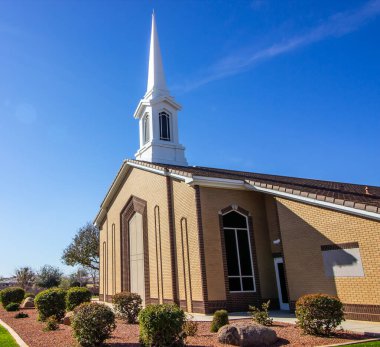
[[283, 306]]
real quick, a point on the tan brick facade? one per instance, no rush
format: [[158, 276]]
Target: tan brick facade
[[304, 229], [153, 189], [186, 252]]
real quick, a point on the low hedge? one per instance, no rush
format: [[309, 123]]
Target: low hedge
[[127, 306], [12, 307], [76, 296], [220, 319], [11, 294], [319, 314], [51, 302], [161, 325], [92, 323]]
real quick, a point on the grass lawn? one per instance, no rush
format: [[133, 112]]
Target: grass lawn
[[366, 344], [6, 340]]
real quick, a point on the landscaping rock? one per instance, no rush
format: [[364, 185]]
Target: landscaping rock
[[67, 318], [229, 334], [246, 334], [27, 303], [256, 335]]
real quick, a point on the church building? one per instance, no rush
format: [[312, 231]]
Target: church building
[[208, 239]]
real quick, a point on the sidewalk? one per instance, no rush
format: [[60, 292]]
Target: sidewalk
[[367, 328]]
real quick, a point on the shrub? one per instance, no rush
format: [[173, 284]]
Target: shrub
[[11, 294], [261, 316], [161, 325], [92, 323], [127, 306], [190, 327], [21, 315], [220, 319], [76, 296], [51, 324], [29, 295], [319, 314], [13, 306], [51, 302]]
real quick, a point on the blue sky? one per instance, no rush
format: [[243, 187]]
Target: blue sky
[[281, 87]]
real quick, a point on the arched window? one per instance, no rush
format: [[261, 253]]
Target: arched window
[[146, 129], [164, 126], [238, 252]]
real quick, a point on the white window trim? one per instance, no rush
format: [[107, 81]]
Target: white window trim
[[146, 140], [238, 253]]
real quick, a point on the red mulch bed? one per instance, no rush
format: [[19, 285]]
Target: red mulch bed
[[125, 335]]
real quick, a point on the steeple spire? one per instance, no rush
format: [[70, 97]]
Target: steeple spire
[[157, 113], [156, 77]]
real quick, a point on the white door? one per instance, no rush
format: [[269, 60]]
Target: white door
[[136, 255], [281, 283]]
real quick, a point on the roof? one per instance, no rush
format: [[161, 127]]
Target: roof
[[352, 198]]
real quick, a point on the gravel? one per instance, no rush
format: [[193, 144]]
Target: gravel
[[126, 335]]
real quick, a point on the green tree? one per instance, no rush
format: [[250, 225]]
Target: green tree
[[84, 249], [48, 277], [25, 277]]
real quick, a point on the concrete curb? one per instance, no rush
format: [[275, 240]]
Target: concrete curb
[[350, 343], [14, 334]]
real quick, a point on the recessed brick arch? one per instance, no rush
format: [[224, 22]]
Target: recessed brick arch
[[134, 205], [240, 301]]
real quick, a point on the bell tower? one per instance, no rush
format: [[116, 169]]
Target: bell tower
[[157, 113]]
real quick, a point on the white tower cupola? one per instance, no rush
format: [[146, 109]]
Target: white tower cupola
[[158, 114]]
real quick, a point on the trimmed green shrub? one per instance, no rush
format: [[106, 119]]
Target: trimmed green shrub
[[12, 307], [319, 314], [51, 324], [11, 294], [220, 319], [21, 315], [161, 325], [51, 302], [76, 296], [92, 323], [261, 316], [127, 306]]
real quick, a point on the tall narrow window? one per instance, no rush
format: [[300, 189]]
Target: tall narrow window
[[146, 129], [238, 252], [164, 126]]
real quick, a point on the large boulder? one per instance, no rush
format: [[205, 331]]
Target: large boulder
[[247, 334], [68, 317], [27, 303], [229, 334]]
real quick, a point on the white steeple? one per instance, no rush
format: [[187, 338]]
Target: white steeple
[[156, 76], [158, 114]]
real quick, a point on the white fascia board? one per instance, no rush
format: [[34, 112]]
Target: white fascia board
[[215, 182], [160, 172], [315, 202], [145, 168]]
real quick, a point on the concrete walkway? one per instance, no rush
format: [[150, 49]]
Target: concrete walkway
[[17, 338], [367, 328]]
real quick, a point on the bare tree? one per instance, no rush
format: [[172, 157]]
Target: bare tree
[[25, 277]]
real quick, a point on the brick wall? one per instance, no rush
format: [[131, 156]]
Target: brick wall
[[304, 229]]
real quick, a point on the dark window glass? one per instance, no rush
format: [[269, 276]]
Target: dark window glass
[[234, 220], [234, 283], [164, 126], [248, 283], [245, 256], [231, 251], [284, 291]]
